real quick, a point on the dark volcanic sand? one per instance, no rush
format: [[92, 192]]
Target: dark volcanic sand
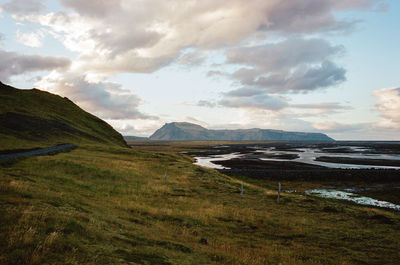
[[359, 161]]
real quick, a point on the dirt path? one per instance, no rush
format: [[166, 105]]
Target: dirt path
[[42, 151]]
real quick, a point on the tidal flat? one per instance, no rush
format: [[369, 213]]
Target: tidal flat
[[339, 166]]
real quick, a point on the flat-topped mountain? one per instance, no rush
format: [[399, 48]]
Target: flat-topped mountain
[[38, 118], [184, 131]]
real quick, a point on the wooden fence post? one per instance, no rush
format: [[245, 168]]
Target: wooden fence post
[[279, 192]]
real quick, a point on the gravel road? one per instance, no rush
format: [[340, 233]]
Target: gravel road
[[42, 151]]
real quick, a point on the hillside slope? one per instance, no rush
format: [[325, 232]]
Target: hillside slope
[[184, 131], [37, 118]]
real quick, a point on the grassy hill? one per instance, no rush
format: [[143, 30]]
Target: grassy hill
[[32, 118]]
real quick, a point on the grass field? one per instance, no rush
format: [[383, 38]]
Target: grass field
[[101, 205]]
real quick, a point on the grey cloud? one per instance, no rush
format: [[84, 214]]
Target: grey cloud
[[106, 99], [319, 109], [244, 92], [196, 121], [215, 73], [324, 105], [246, 75], [257, 93], [283, 55], [294, 65], [93, 7], [22, 7], [120, 43], [126, 129], [311, 15], [325, 75], [264, 101], [273, 15], [300, 15], [12, 63], [191, 59], [205, 103], [128, 63]]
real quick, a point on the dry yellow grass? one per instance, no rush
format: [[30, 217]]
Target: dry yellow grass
[[97, 205]]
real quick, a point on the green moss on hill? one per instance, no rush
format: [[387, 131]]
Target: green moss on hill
[[38, 118]]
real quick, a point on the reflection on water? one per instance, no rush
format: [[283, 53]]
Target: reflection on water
[[342, 195], [207, 161], [305, 155], [308, 156]]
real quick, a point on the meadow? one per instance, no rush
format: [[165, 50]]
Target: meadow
[[99, 204]]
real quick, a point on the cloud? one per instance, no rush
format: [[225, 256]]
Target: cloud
[[215, 73], [357, 131], [335, 127], [143, 36], [117, 36], [93, 8], [283, 55], [293, 65], [191, 59], [319, 109], [388, 104], [106, 99], [310, 15], [303, 80], [136, 127], [195, 121], [266, 119], [126, 129], [21, 7], [205, 103], [323, 105], [33, 39], [12, 64], [258, 101]]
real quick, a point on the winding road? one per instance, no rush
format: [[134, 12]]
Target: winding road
[[41, 151]]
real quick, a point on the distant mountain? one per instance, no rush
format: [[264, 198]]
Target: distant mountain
[[129, 138], [34, 117], [184, 131]]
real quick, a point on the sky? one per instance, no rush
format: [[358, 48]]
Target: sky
[[330, 66]]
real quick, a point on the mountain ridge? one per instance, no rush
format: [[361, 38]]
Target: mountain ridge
[[185, 131]]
